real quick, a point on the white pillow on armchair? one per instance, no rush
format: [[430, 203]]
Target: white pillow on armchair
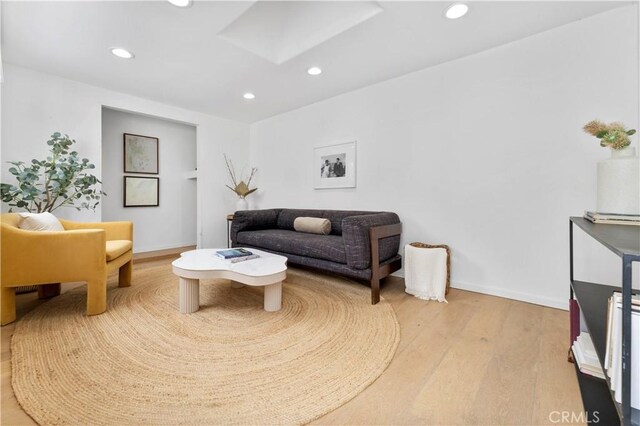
[[40, 222]]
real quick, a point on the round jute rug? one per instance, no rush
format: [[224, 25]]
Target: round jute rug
[[142, 362]]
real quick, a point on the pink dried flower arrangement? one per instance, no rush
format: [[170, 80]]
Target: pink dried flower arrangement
[[612, 135]]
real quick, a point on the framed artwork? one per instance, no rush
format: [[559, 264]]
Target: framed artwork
[[141, 191], [140, 154], [334, 166]]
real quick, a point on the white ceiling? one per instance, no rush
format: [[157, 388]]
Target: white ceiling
[[182, 60], [280, 30]]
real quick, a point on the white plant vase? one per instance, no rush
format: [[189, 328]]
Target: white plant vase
[[619, 183], [242, 204]]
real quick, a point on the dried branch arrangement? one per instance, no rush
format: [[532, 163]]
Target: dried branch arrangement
[[240, 187]]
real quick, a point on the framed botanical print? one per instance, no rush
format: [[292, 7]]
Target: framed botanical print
[[141, 191], [140, 154], [334, 166]]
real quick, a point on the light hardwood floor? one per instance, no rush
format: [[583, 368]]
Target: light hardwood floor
[[476, 360]]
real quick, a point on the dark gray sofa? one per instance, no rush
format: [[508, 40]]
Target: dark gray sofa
[[362, 245]]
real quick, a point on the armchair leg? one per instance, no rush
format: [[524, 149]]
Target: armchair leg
[[47, 291], [96, 296], [124, 274], [8, 305]]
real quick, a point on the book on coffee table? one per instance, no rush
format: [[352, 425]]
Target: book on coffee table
[[233, 253], [243, 258]]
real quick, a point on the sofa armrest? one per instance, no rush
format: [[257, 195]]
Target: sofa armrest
[[251, 220], [114, 230], [49, 256], [355, 233]]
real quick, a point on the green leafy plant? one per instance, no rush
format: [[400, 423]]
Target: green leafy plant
[[59, 181], [239, 187], [612, 135]]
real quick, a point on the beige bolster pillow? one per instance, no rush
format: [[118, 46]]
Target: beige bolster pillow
[[312, 225]]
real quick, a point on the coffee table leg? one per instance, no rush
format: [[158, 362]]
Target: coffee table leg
[[189, 295], [273, 297]]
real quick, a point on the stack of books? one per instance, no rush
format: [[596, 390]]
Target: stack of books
[[236, 255], [585, 355], [613, 356], [613, 218]]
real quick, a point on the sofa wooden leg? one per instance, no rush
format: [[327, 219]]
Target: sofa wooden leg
[[375, 291], [8, 305], [47, 291], [96, 296], [124, 274]]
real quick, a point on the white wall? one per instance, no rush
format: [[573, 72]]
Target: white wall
[[34, 105], [485, 153], [176, 214]]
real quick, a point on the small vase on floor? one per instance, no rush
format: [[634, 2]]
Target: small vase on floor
[[619, 183], [242, 204]]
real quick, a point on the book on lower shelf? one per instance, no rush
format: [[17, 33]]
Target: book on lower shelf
[[612, 218], [613, 355], [585, 355]]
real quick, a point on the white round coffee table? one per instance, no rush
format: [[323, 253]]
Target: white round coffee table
[[268, 271]]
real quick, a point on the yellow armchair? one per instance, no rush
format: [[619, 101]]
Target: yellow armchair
[[83, 252]]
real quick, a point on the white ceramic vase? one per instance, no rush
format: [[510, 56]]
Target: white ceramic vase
[[242, 204], [619, 183]]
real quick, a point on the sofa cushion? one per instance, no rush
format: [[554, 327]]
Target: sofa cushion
[[328, 247], [337, 216], [250, 220], [116, 248], [287, 217]]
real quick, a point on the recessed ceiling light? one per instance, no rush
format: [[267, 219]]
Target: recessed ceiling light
[[122, 53], [180, 3], [314, 71], [456, 11], [249, 95]]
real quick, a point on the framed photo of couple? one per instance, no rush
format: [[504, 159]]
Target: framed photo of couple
[[334, 166]]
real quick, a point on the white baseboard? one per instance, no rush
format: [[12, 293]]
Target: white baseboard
[[138, 250], [506, 293], [514, 295]]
